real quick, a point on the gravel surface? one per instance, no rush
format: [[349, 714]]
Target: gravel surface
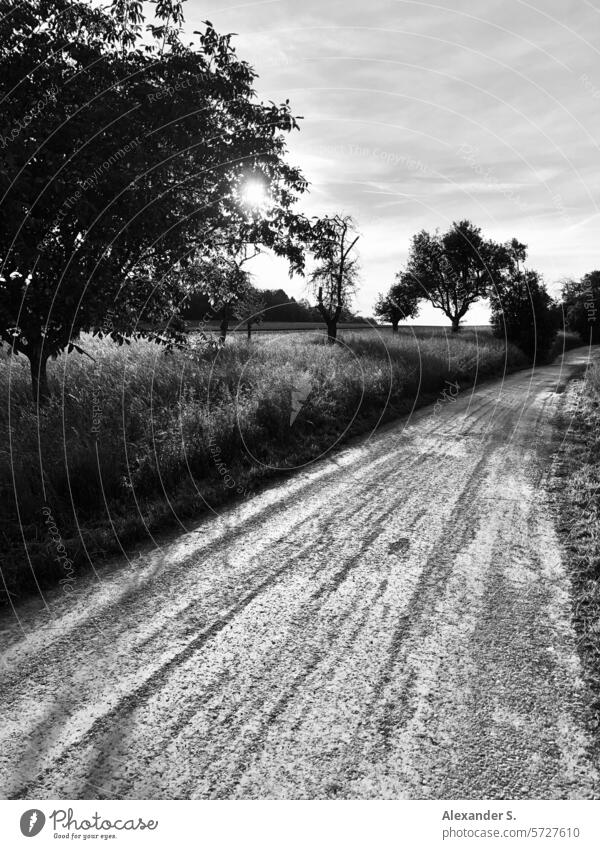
[[394, 622]]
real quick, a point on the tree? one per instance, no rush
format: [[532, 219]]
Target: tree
[[400, 302], [455, 269], [226, 285], [119, 160], [581, 304], [250, 309], [278, 306], [524, 313], [335, 276]]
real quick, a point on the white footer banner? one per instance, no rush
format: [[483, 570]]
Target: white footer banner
[[287, 824]]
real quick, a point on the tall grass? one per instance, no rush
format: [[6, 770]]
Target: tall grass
[[578, 499], [135, 439]]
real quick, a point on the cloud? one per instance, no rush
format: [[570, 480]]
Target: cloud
[[391, 92]]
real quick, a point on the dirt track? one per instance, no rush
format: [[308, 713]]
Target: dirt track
[[391, 623]]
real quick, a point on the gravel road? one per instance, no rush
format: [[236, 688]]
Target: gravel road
[[393, 622]]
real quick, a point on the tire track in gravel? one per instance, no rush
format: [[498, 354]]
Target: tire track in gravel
[[155, 680], [149, 684], [430, 586]]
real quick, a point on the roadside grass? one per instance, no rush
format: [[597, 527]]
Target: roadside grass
[[136, 441], [578, 496]]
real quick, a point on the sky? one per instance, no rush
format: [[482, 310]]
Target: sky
[[417, 114]]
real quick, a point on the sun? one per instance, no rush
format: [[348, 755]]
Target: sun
[[254, 194]]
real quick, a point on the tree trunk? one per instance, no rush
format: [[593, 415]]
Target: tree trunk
[[249, 329], [223, 330], [395, 326], [331, 331], [455, 325], [38, 362]]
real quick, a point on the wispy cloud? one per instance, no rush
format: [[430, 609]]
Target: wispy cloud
[[392, 90]]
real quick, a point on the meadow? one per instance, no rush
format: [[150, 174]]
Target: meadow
[[136, 440]]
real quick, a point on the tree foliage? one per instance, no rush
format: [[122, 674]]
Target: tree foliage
[[455, 269], [224, 281], [251, 309], [524, 313], [335, 276], [400, 302], [120, 160], [279, 306], [581, 304]]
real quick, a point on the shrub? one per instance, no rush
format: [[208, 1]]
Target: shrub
[[581, 304], [522, 312]]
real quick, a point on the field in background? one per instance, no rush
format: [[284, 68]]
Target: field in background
[[420, 330], [138, 440]]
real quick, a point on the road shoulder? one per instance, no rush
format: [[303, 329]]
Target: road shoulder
[[575, 492]]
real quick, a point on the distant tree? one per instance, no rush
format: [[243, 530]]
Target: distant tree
[[335, 276], [225, 283], [523, 312], [581, 304], [281, 307], [119, 159], [197, 308], [278, 306], [250, 309], [400, 302], [305, 305], [455, 269]]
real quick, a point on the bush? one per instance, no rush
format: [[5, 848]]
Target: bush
[[523, 312], [581, 304], [564, 341]]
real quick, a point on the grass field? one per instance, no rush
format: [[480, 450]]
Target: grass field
[[578, 496], [138, 440]]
